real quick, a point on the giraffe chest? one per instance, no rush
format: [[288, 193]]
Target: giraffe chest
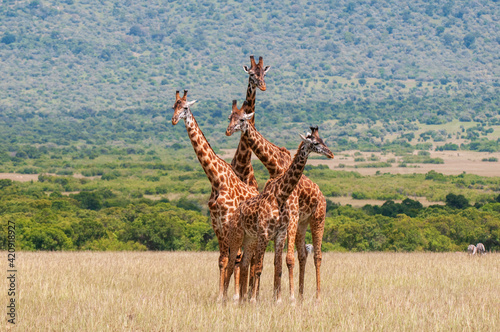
[[265, 218], [224, 203], [277, 221]]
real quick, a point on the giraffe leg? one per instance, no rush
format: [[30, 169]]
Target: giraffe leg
[[235, 240], [243, 279], [290, 255], [279, 244], [261, 248], [229, 271], [223, 260], [247, 258], [300, 242], [317, 222], [222, 252], [237, 271], [253, 266]]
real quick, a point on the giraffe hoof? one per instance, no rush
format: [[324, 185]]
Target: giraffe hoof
[[253, 301], [278, 301]]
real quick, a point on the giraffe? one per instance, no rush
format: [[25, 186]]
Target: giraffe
[[241, 162], [227, 189], [307, 203], [265, 217]]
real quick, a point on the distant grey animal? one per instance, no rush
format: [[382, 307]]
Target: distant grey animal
[[471, 249], [309, 249], [481, 249]]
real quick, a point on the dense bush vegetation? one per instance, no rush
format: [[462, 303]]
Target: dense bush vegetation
[[409, 227], [99, 220], [57, 222]]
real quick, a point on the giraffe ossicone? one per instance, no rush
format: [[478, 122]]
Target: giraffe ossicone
[[257, 71]]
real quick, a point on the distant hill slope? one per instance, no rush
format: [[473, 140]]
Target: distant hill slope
[[70, 57], [59, 55]]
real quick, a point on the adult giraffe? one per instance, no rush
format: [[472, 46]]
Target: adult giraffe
[[228, 191], [241, 162], [266, 216], [307, 203]]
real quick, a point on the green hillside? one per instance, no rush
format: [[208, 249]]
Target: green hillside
[[100, 72], [65, 55]]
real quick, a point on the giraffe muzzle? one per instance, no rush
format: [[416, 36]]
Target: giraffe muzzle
[[328, 154], [232, 129]]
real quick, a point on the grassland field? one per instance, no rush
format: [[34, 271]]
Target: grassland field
[[176, 291], [455, 162]]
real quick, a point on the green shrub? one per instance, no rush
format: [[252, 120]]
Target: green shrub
[[358, 195], [45, 238]]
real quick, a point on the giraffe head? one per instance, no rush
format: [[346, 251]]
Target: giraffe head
[[313, 143], [239, 119], [257, 71], [181, 107]]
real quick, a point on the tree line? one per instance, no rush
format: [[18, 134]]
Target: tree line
[[98, 220]]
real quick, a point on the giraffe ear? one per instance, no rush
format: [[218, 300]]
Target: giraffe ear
[[189, 103], [246, 69], [305, 138], [248, 116], [267, 69]]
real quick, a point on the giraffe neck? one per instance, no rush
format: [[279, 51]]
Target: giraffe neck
[[274, 158], [289, 180], [211, 163], [251, 92], [241, 162]]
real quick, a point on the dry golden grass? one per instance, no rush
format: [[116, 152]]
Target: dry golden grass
[[162, 291]]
